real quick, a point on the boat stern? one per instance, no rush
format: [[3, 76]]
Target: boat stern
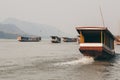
[[96, 50], [91, 49]]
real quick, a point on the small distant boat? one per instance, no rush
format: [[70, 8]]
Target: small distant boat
[[66, 39], [28, 39], [55, 39], [117, 40], [78, 39], [97, 42]]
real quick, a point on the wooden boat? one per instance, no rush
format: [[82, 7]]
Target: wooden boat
[[66, 39], [28, 39], [78, 39], [55, 39], [97, 42], [117, 40]]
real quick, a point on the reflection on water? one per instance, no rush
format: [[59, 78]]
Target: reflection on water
[[47, 61]]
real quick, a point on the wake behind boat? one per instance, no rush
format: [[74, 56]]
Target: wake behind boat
[[97, 42]]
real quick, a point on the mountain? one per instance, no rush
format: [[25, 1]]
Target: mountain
[[42, 30], [10, 31], [10, 28], [4, 35]]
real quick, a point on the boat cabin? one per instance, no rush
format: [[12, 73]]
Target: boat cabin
[[98, 39], [96, 35]]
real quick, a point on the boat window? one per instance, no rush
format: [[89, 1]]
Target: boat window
[[92, 37], [109, 42]]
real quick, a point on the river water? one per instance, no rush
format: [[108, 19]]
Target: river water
[[47, 61]]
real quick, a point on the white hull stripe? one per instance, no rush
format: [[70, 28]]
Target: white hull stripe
[[91, 44]]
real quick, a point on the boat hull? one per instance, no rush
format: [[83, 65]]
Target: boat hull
[[98, 52], [28, 40], [55, 41]]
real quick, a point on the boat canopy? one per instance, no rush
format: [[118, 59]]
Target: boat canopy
[[94, 29], [96, 35]]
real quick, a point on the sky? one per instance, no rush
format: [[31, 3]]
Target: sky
[[64, 14]]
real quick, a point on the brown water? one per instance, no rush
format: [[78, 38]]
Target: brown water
[[46, 61]]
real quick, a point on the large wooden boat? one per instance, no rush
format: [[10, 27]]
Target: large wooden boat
[[55, 39], [97, 42], [28, 39], [66, 39]]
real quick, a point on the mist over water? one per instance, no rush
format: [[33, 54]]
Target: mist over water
[[46, 61]]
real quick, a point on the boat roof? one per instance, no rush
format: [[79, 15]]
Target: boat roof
[[54, 37], [67, 38], [91, 28]]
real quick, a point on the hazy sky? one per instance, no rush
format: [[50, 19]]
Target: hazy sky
[[64, 14]]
